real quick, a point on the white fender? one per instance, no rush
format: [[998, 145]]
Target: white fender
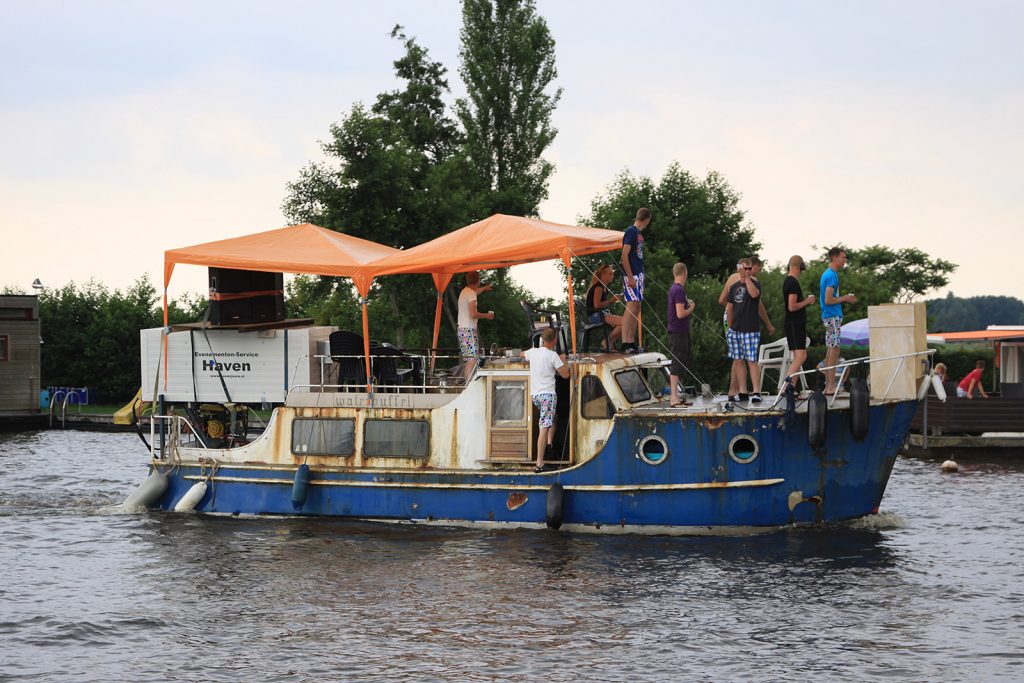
[[148, 492], [926, 383], [940, 390], [191, 498]]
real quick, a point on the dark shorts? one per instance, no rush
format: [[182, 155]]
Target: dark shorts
[[796, 336], [679, 346], [598, 316]]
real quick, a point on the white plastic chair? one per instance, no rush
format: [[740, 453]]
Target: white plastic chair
[[777, 357]]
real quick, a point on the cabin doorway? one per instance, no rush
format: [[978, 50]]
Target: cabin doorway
[[508, 406], [561, 439]]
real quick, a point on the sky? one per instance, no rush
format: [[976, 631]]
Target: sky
[[130, 128]]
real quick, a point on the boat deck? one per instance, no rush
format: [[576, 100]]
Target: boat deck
[[721, 405]]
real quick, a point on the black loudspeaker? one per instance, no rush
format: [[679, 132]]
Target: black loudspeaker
[[232, 312], [239, 297]]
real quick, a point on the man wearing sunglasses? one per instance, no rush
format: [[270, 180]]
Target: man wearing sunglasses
[[744, 334]]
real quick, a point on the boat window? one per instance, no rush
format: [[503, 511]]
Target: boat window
[[743, 449], [323, 437], [596, 404], [652, 450], [508, 402], [396, 438], [632, 385]]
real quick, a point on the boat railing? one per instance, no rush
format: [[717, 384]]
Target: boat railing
[[846, 364], [438, 381], [170, 439]]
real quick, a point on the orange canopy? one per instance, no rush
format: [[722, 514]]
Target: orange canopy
[[302, 248], [979, 335], [494, 242]]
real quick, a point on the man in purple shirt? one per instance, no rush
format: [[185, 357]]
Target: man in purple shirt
[[679, 310]]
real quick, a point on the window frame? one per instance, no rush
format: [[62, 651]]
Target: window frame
[[643, 383], [426, 450], [324, 419], [607, 398]]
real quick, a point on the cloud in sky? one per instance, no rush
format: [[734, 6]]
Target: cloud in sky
[[127, 129]]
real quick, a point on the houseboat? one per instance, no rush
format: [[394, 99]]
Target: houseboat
[[371, 432]]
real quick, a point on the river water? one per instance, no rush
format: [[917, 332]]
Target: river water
[[931, 589]]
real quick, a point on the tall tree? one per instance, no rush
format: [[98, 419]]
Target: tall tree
[[698, 220], [391, 176], [508, 63]]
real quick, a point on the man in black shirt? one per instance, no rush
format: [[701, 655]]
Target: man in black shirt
[[744, 333], [796, 316]]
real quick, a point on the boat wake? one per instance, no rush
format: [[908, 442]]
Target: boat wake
[[122, 509], [877, 522]]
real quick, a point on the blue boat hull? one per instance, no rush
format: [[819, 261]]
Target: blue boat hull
[[697, 487]]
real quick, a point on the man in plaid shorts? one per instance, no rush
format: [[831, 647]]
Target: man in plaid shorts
[[832, 312], [744, 334]]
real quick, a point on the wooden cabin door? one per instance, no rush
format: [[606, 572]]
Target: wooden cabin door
[[508, 419]]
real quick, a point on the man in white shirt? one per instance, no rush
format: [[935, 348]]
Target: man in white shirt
[[469, 336], [544, 363]]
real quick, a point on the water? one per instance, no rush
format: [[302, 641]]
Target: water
[[932, 589]]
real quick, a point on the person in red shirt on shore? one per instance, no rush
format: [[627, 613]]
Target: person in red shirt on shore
[[973, 379]]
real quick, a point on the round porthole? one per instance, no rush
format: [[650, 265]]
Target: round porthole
[[652, 450], [743, 449]]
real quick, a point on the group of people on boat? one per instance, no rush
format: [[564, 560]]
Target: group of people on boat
[[743, 317]]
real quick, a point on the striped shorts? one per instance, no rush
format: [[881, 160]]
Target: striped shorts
[[743, 345]]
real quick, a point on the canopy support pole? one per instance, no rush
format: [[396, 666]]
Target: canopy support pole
[[640, 326], [366, 350], [165, 337], [437, 331], [572, 303]]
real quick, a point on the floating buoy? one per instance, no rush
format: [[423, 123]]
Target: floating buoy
[[191, 498], [860, 404], [940, 390], [950, 466], [556, 496], [300, 489], [817, 417], [149, 491]]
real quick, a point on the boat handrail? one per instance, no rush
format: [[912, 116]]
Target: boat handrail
[[174, 433], [324, 359], [902, 358]]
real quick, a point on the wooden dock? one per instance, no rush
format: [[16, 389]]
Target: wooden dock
[[993, 446]]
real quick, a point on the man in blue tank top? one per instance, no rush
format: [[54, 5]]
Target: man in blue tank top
[[832, 312]]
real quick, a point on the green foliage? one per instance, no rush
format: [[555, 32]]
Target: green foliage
[[91, 334], [699, 221], [955, 314], [508, 62], [403, 172]]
